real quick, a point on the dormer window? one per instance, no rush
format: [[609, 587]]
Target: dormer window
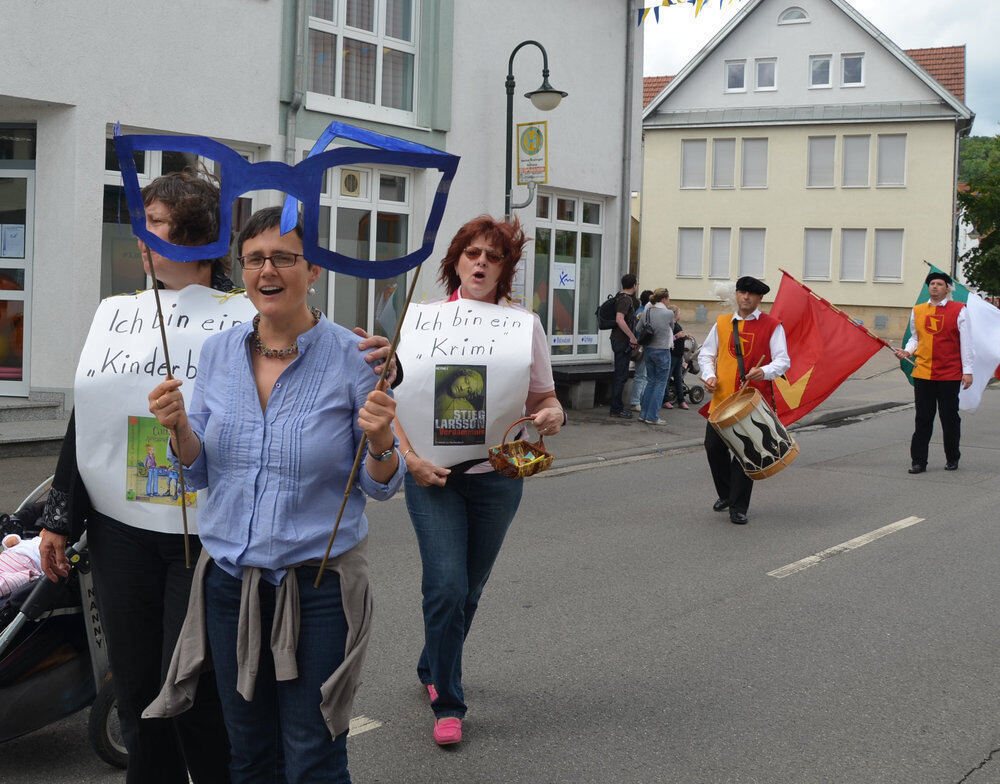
[[793, 15]]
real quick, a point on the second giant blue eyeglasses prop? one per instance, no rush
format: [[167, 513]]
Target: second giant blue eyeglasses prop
[[302, 182]]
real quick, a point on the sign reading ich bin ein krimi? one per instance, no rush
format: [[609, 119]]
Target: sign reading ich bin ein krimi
[[532, 152]]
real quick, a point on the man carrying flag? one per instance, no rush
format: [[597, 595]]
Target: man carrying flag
[[941, 341], [760, 356]]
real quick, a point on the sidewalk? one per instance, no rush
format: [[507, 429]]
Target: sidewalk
[[592, 435]]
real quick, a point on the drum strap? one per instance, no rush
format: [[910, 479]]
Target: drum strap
[[738, 346]]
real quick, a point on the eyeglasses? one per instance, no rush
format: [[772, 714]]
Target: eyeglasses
[[474, 253], [302, 182], [281, 259]]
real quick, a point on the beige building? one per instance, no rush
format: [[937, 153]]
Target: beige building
[[802, 139]]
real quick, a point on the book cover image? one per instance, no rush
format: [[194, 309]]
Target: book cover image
[[150, 476], [459, 405]]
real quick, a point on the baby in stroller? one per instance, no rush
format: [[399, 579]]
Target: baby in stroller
[[20, 563]]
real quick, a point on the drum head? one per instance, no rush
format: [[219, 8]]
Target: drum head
[[734, 408]]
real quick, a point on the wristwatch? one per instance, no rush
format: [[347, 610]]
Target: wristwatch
[[384, 456]]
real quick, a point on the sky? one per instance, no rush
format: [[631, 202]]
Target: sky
[[911, 24]]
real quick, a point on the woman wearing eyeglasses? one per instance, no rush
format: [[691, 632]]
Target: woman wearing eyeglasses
[[275, 418], [136, 545], [460, 508]]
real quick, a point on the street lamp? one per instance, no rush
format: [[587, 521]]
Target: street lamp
[[545, 98]]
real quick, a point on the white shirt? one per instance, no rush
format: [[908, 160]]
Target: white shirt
[[778, 347], [964, 336]]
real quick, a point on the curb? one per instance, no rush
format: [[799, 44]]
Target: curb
[[826, 418]]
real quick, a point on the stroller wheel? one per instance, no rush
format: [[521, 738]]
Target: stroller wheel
[[696, 394], [103, 729]]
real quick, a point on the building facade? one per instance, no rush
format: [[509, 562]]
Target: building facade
[[266, 78], [801, 139]]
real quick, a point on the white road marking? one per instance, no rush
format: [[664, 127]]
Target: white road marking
[[361, 724], [851, 544]]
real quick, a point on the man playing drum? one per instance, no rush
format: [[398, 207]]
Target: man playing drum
[[762, 357]]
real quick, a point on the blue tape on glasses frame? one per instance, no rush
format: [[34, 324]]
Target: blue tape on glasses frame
[[303, 182]]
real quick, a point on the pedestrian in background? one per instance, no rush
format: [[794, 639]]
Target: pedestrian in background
[[639, 377], [623, 343], [657, 353], [677, 362]]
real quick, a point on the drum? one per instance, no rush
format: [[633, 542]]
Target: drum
[[751, 429]]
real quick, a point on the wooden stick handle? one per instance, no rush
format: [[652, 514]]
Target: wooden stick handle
[[170, 375], [364, 437]]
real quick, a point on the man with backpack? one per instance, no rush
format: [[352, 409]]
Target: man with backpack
[[623, 342]]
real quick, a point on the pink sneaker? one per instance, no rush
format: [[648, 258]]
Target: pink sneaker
[[668, 405], [447, 731], [684, 406], [432, 692]]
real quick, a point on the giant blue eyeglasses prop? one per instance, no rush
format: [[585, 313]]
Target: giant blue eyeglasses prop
[[302, 182]]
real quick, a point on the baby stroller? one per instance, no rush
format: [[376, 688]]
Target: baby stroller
[[694, 392], [53, 659]]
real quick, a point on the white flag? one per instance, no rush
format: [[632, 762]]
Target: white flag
[[984, 324]]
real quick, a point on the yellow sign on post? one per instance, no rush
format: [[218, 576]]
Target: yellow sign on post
[[532, 153]]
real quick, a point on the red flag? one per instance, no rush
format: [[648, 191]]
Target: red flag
[[825, 347]]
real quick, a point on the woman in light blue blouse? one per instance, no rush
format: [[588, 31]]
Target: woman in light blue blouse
[[277, 413]]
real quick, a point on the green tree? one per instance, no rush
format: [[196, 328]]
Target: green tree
[[981, 208], [973, 153]]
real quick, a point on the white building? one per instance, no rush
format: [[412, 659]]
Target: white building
[[431, 71]]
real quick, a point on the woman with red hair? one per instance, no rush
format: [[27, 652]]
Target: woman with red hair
[[461, 508]]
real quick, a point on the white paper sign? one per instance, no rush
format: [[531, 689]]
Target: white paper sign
[[12, 241], [563, 275], [466, 370], [121, 448]]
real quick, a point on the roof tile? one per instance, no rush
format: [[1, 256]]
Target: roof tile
[[946, 64]]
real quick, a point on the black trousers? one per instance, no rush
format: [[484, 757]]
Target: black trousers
[[942, 397], [623, 355], [142, 590], [731, 483]]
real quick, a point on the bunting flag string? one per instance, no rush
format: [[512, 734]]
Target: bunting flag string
[[698, 5]]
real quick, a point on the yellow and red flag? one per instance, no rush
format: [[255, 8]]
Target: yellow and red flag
[[824, 344]]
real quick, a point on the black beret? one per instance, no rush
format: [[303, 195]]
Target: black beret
[[938, 276], [752, 286]]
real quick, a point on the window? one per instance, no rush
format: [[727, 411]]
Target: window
[[724, 163], [793, 15], [689, 244], [852, 70], [853, 246], [816, 255], [736, 76], [891, 160], [718, 254], [819, 70], [693, 163], [766, 74], [752, 252], [820, 169], [566, 271], [363, 51], [121, 265], [366, 214], [754, 163], [888, 254], [856, 161]]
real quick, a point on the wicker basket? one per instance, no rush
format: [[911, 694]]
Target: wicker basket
[[520, 458]]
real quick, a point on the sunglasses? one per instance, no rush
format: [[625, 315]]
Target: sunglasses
[[474, 253]]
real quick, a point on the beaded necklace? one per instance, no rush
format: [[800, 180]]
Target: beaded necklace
[[277, 353]]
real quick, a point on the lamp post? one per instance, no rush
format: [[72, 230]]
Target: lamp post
[[545, 98]]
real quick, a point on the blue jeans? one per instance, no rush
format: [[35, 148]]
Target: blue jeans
[[657, 372], [639, 381], [280, 736], [460, 528]]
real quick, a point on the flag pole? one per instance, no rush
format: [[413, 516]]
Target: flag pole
[[170, 375], [885, 343], [380, 385]]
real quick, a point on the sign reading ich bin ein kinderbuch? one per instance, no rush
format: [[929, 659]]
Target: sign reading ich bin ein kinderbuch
[[532, 152]]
